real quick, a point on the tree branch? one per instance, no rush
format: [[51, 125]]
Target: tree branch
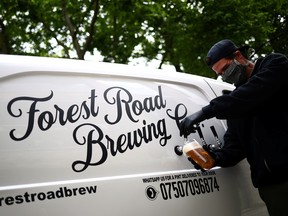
[[71, 28]]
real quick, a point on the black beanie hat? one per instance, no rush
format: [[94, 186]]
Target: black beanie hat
[[221, 50]]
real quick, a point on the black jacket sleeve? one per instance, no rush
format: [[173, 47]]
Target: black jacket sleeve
[[233, 150]]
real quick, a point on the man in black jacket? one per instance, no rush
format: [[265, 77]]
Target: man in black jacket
[[257, 119]]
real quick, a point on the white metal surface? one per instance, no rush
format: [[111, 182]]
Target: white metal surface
[[82, 137]]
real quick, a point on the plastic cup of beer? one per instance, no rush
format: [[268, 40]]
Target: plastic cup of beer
[[196, 152]]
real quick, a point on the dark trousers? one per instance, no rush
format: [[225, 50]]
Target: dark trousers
[[275, 198]]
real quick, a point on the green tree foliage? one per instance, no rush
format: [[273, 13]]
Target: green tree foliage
[[176, 32], [119, 29]]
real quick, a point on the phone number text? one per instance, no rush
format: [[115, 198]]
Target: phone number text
[[185, 188]]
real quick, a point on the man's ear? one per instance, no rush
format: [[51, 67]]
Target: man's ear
[[239, 57]]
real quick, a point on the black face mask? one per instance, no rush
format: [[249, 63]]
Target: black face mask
[[235, 73]]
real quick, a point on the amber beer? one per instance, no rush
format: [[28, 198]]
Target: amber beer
[[195, 151]]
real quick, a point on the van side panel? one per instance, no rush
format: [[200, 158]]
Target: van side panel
[[100, 143]]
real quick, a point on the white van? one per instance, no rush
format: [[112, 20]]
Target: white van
[[89, 138]]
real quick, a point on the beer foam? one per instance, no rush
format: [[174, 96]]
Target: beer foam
[[190, 146]]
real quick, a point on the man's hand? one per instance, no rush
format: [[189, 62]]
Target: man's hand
[[189, 124], [196, 166]]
